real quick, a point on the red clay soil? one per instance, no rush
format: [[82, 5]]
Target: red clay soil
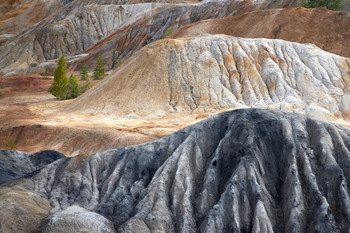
[[67, 139], [329, 30], [17, 93], [25, 84], [22, 120]]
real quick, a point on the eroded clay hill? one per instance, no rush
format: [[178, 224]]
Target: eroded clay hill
[[328, 30], [216, 72], [119, 27], [18, 15], [247, 170], [16, 164]]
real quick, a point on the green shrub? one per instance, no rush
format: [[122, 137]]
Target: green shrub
[[86, 85], [11, 144], [119, 63], [168, 32], [329, 4], [73, 89]]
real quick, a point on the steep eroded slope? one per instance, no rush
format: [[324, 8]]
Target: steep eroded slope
[[247, 170], [216, 72]]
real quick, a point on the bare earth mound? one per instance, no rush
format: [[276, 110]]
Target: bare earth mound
[[329, 30]]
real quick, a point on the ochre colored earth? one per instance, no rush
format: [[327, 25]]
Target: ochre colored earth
[[27, 115], [329, 30]]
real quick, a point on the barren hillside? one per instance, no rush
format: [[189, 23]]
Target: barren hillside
[[114, 29], [19, 15], [241, 171], [151, 147], [329, 30], [174, 83]]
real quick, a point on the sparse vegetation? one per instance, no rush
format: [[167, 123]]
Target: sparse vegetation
[[88, 83], [59, 85], [73, 89], [100, 68], [11, 144], [329, 4], [84, 72], [119, 63], [168, 32], [62, 87]]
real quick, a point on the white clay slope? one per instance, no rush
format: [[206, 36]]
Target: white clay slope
[[217, 72]]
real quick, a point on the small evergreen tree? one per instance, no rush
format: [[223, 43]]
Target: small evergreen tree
[[73, 89], [60, 82], [329, 4], [100, 68], [86, 85], [11, 144], [84, 72]]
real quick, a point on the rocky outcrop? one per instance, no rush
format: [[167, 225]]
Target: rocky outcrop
[[114, 29], [248, 170], [327, 29], [16, 164], [216, 72]]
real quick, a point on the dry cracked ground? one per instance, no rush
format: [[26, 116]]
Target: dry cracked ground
[[236, 122]]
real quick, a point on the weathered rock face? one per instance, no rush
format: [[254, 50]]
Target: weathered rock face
[[128, 39], [317, 26], [247, 170], [18, 15], [215, 72], [75, 28], [103, 27], [16, 164], [131, 37]]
